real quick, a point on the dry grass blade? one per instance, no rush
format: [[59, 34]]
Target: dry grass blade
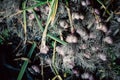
[[57, 76], [69, 15], [51, 16], [53, 64], [70, 19], [24, 20], [23, 58]]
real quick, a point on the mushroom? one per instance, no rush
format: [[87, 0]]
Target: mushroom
[[77, 16], [71, 39], [82, 33], [63, 24], [102, 27], [108, 40], [44, 49], [60, 51], [34, 69], [102, 57], [31, 16]]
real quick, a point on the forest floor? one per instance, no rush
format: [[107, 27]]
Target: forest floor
[[59, 40]]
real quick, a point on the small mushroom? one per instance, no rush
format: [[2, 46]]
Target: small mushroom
[[102, 57], [92, 36], [29, 10], [36, 9], [44, 49], [34, 69], [76, 72], [87, 55], [88, 2], [85, 75], [108, 40], [60, 51], [83, 3], [83, 46], [77, 16], [118, 19], [95, 48], [68, 62], [47, 9], [101, 27], [63, 24], [83, 34], [31, 17], [71, 39], [97, 11], [98, 20]]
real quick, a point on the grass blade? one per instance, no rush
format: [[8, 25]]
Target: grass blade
[[24, 20], [53, 64], [100, 2], [38, 21], [50, 18], [24, 66], [56, 39]]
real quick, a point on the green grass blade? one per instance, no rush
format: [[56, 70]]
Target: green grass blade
[[24, 66], [36, 5], [38, 21], [56, 39]]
